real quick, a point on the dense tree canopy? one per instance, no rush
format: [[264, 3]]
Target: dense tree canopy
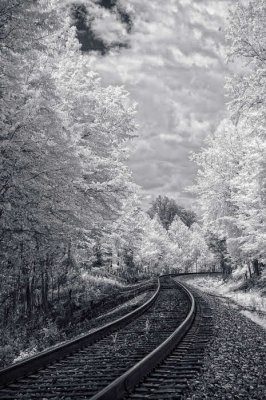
[[166, 209], [63, 151], [231, 178]]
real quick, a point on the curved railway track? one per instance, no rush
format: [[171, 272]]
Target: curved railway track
[[149, 353]]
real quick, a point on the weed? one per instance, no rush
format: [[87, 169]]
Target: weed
[[147, 326], [114, 337]]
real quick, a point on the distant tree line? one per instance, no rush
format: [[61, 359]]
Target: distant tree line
[[166, 209]]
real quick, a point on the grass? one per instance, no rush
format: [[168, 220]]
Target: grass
[[251, 301]]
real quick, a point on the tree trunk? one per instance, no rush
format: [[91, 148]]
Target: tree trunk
[[58, 289], [222, 266], [256, 267], [28, 298], [249, 270], [44, 286]]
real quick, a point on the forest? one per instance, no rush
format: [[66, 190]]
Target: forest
[[73, 226]]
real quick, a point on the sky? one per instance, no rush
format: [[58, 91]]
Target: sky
[[170, 56]]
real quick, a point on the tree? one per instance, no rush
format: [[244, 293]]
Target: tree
[[179, 235], [153, 251], [187, 249], [167, 209], [199, 251], [218, 164], [124, 237], [218, 247], [63, 150], [231, 178], [246, 37]]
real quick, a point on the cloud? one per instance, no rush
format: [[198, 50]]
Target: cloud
[[173, 67], [112, 30]]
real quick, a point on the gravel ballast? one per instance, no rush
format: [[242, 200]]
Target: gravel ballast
[[235, 359]]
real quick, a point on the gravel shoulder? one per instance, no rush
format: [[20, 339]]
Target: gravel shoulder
[[235, 359]]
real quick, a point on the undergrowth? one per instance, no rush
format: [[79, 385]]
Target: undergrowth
[[26, 335]]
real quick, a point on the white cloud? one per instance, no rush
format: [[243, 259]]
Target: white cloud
[[107, 26], [175, 71]]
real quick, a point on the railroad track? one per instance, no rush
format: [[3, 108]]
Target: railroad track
[[89, 318], [148, 353]]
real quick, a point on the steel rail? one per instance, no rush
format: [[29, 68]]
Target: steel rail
[[123, 385], [57, 352]]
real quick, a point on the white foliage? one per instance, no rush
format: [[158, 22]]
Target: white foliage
[[63, 143], [231, 169]]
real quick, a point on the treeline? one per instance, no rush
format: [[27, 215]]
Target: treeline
[[231, 182], [63, 148], [167, 238]]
